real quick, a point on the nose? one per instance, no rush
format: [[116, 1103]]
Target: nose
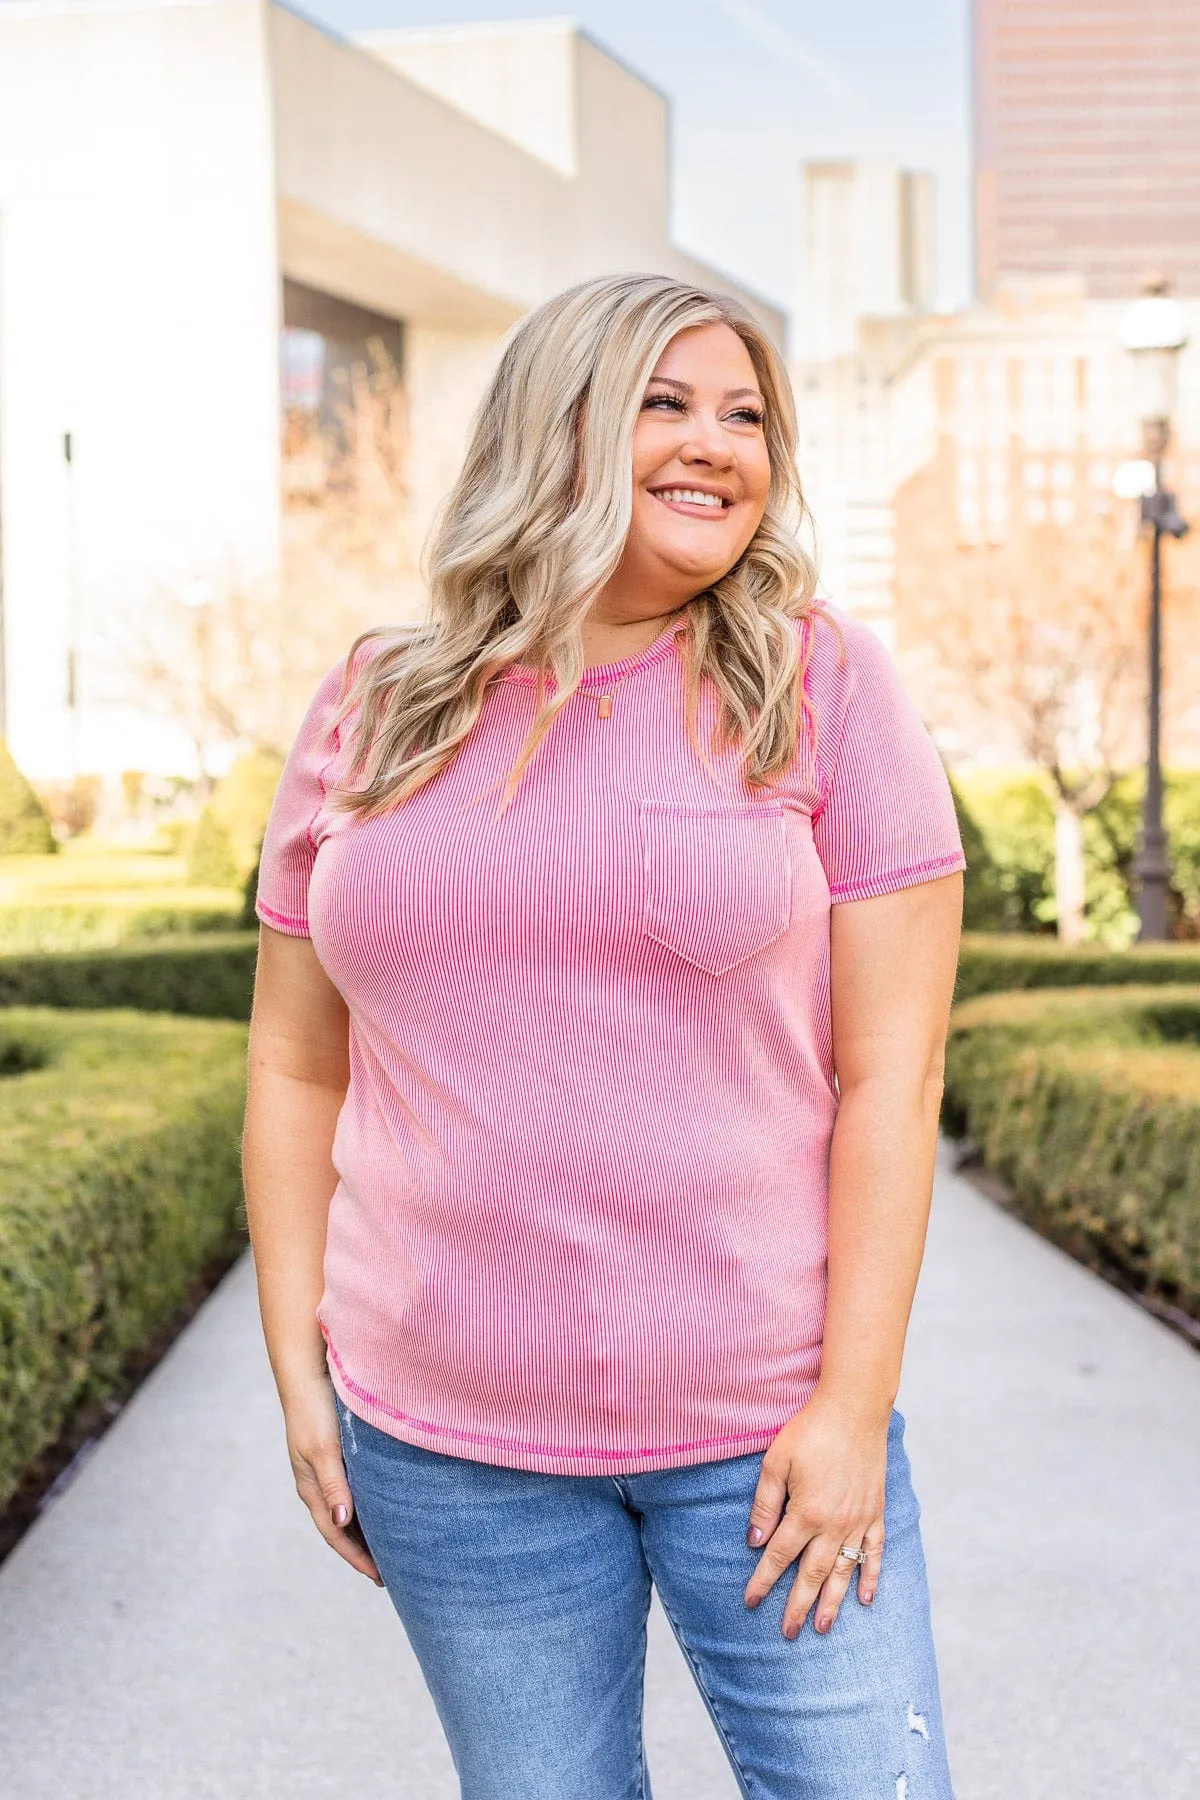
[[707, 442]]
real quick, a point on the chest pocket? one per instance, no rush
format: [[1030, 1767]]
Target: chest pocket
[[718, 879]]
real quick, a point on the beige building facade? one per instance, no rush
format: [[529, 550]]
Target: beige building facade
[[184, 185], [866, 274], [867, 251], [990, 438], [1009, 423]]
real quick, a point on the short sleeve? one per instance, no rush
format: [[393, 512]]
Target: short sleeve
[[886, 817], [289, 846]]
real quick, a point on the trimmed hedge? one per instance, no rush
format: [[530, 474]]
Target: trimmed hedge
[[24, 822], [991, 964], [204, 977], [229, 831], [106, 921], [119, 1185], [211, 975], [1087, 1104], [985, 903]]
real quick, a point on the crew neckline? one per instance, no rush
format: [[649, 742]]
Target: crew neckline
[[602, 675]]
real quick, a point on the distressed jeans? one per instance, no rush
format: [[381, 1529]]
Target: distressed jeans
[[525, 1598]]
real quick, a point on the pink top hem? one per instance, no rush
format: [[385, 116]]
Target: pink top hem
[[281, 921], [545, 1459], [898, 878]]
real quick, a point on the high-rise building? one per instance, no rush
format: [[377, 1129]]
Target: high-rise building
[[866, 268], [1087, 158], [867, 242]]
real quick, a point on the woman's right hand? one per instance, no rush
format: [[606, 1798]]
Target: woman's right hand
[[315, 1448]]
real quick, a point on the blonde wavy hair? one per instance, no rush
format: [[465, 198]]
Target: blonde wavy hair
[[536, 525]]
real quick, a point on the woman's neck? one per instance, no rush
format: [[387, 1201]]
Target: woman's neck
[[608, 640]]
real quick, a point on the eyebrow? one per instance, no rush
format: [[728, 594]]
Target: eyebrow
[[685, 387]]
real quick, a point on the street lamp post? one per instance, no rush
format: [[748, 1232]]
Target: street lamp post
[[1154, 331]]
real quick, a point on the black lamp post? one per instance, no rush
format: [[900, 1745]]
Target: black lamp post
[[1154, 331]]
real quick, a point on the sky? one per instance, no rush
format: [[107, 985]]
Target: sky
[[758, 86]]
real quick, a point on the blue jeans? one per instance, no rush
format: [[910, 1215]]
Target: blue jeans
[[525, 1598]]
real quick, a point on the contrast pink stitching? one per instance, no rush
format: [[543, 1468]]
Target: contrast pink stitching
[[925, 868], [278, 918], [825, 787], [492, 1443], [322, 772]]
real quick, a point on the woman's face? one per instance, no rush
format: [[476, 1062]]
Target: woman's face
[[700, 470]]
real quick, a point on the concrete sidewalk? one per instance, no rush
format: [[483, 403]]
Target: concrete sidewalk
[[174, 1629]]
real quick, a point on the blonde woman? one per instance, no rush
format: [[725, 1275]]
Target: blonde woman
[[610, 923]]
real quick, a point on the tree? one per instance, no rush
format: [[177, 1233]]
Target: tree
[[347, 540], [233, 659], [1037, 643]]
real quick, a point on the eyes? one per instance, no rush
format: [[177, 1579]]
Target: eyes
[[745, 414]]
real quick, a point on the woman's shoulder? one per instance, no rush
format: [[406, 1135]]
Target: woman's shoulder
[[340, 680], [837, 650]]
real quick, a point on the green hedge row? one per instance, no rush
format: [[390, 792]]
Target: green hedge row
[[207, 977], [1087, 1104], [212, 975], [996, 962], [119, 1185], [105, 924]]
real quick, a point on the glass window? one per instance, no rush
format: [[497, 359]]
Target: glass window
[[302, 369]]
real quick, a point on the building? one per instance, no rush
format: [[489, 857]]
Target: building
[[868, 251], [185, 182], [866, 272], [989, 438], [1007, 424], [845, 461], [1087, 158]]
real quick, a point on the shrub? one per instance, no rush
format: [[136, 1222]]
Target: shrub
[[119, 1187], [1015, 816], [24, 821], [1087, 1105], [249, 917], [995, 962], [104, 922], [207, 977], [984, 900], [230, 829]]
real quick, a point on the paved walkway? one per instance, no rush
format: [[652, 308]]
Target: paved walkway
[[174, 1629]]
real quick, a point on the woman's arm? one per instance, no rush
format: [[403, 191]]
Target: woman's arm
[[891, 982], [298, 1074]]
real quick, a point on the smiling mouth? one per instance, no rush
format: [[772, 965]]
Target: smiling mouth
[[694, 502]]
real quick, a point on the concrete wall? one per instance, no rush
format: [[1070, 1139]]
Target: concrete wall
[[416, 208], [457, 177], [519, 80], [139, 312]]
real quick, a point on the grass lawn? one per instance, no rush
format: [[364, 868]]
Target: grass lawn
[[93, 895]]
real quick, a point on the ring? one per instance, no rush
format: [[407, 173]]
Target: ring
[[852, 1555]]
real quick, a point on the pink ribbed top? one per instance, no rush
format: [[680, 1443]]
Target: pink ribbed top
[[584, 1154]]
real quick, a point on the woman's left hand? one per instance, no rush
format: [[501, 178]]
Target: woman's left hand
[[821, 1486]]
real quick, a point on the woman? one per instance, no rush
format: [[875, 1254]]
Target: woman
[[610, 923]]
